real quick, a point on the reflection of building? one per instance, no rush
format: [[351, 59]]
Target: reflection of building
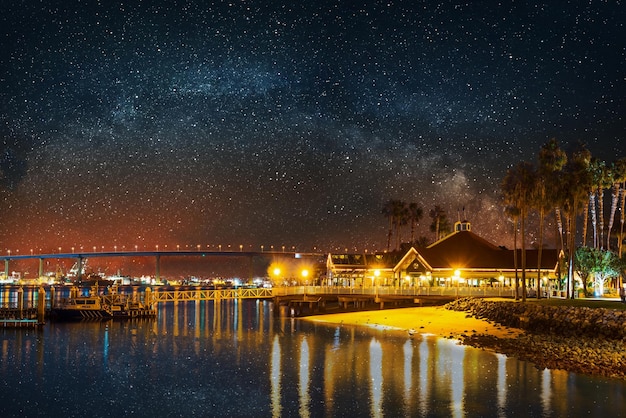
[[460, 257]]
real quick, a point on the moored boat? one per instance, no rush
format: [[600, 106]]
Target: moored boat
[[82, 307]]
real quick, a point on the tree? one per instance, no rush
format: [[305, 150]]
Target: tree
[[574, 182], [585, 261], [397, 213], [388, 211], [551, 159], [596, 263], [513, 214], [401, 218], [438, 215], [517, 187], [600, 179], [618, 176], [415, 215]]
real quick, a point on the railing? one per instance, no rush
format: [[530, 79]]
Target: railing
[[213, 294], [461, 291]]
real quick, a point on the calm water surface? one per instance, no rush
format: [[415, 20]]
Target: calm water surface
[[236, 359]]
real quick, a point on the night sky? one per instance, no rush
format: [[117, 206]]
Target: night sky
[[185, 123]]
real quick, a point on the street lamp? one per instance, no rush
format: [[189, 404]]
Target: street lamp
[[457, 279], [276, 274]]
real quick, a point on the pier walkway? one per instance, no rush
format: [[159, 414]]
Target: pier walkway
[[159, 296]]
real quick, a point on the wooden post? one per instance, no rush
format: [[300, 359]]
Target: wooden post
[[52, 291], [20, 302], [41, 305]]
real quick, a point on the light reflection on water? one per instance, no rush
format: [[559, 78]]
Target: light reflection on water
[[238, 359]]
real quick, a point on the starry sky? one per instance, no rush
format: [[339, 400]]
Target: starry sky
[[185, 123]]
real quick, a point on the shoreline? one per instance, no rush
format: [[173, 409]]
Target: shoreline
[[595, 356], [429, 320]]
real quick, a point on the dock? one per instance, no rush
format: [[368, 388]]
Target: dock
[[21, 315]]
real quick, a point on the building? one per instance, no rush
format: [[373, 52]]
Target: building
[[460, 259]]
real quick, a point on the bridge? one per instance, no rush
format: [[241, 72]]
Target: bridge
[[157, 255]]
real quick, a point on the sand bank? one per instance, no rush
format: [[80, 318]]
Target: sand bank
[[425, 320]]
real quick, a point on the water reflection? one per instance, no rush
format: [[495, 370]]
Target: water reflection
[[303, 382], [376, 378], [275, 378], [238, 359]]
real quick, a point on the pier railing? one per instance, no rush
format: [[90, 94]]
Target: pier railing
[[461, 291], [213, 294]]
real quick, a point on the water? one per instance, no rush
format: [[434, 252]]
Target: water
[[235, 358]]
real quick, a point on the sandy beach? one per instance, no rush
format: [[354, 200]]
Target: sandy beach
[[434, 320]]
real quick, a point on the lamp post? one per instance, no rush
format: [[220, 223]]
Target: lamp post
[[305, 275], [457, 279], [276, 274]]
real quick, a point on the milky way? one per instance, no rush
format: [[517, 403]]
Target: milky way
[[260, 123]]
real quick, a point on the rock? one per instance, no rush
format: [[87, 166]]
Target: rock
[[581, 340]]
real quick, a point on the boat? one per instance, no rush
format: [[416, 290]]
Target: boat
[[95, 306], [82, 307]]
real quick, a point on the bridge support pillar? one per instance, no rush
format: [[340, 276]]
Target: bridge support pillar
[[6, 268], [158, 269], [40, 268], [79, 271]]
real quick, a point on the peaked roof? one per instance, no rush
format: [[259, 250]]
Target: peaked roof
[[464, 249]]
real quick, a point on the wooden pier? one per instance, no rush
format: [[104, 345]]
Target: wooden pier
[[20, 316]]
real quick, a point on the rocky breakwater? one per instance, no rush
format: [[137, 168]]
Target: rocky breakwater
[[577, 339]]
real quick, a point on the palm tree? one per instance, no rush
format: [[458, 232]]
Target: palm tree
[[415, 215], [397, 213], [401, 218], [513, 213], [438, 215], [388, 212], [618, 174], [551, 159], [600, 180], [517, 187], [575, 181]]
